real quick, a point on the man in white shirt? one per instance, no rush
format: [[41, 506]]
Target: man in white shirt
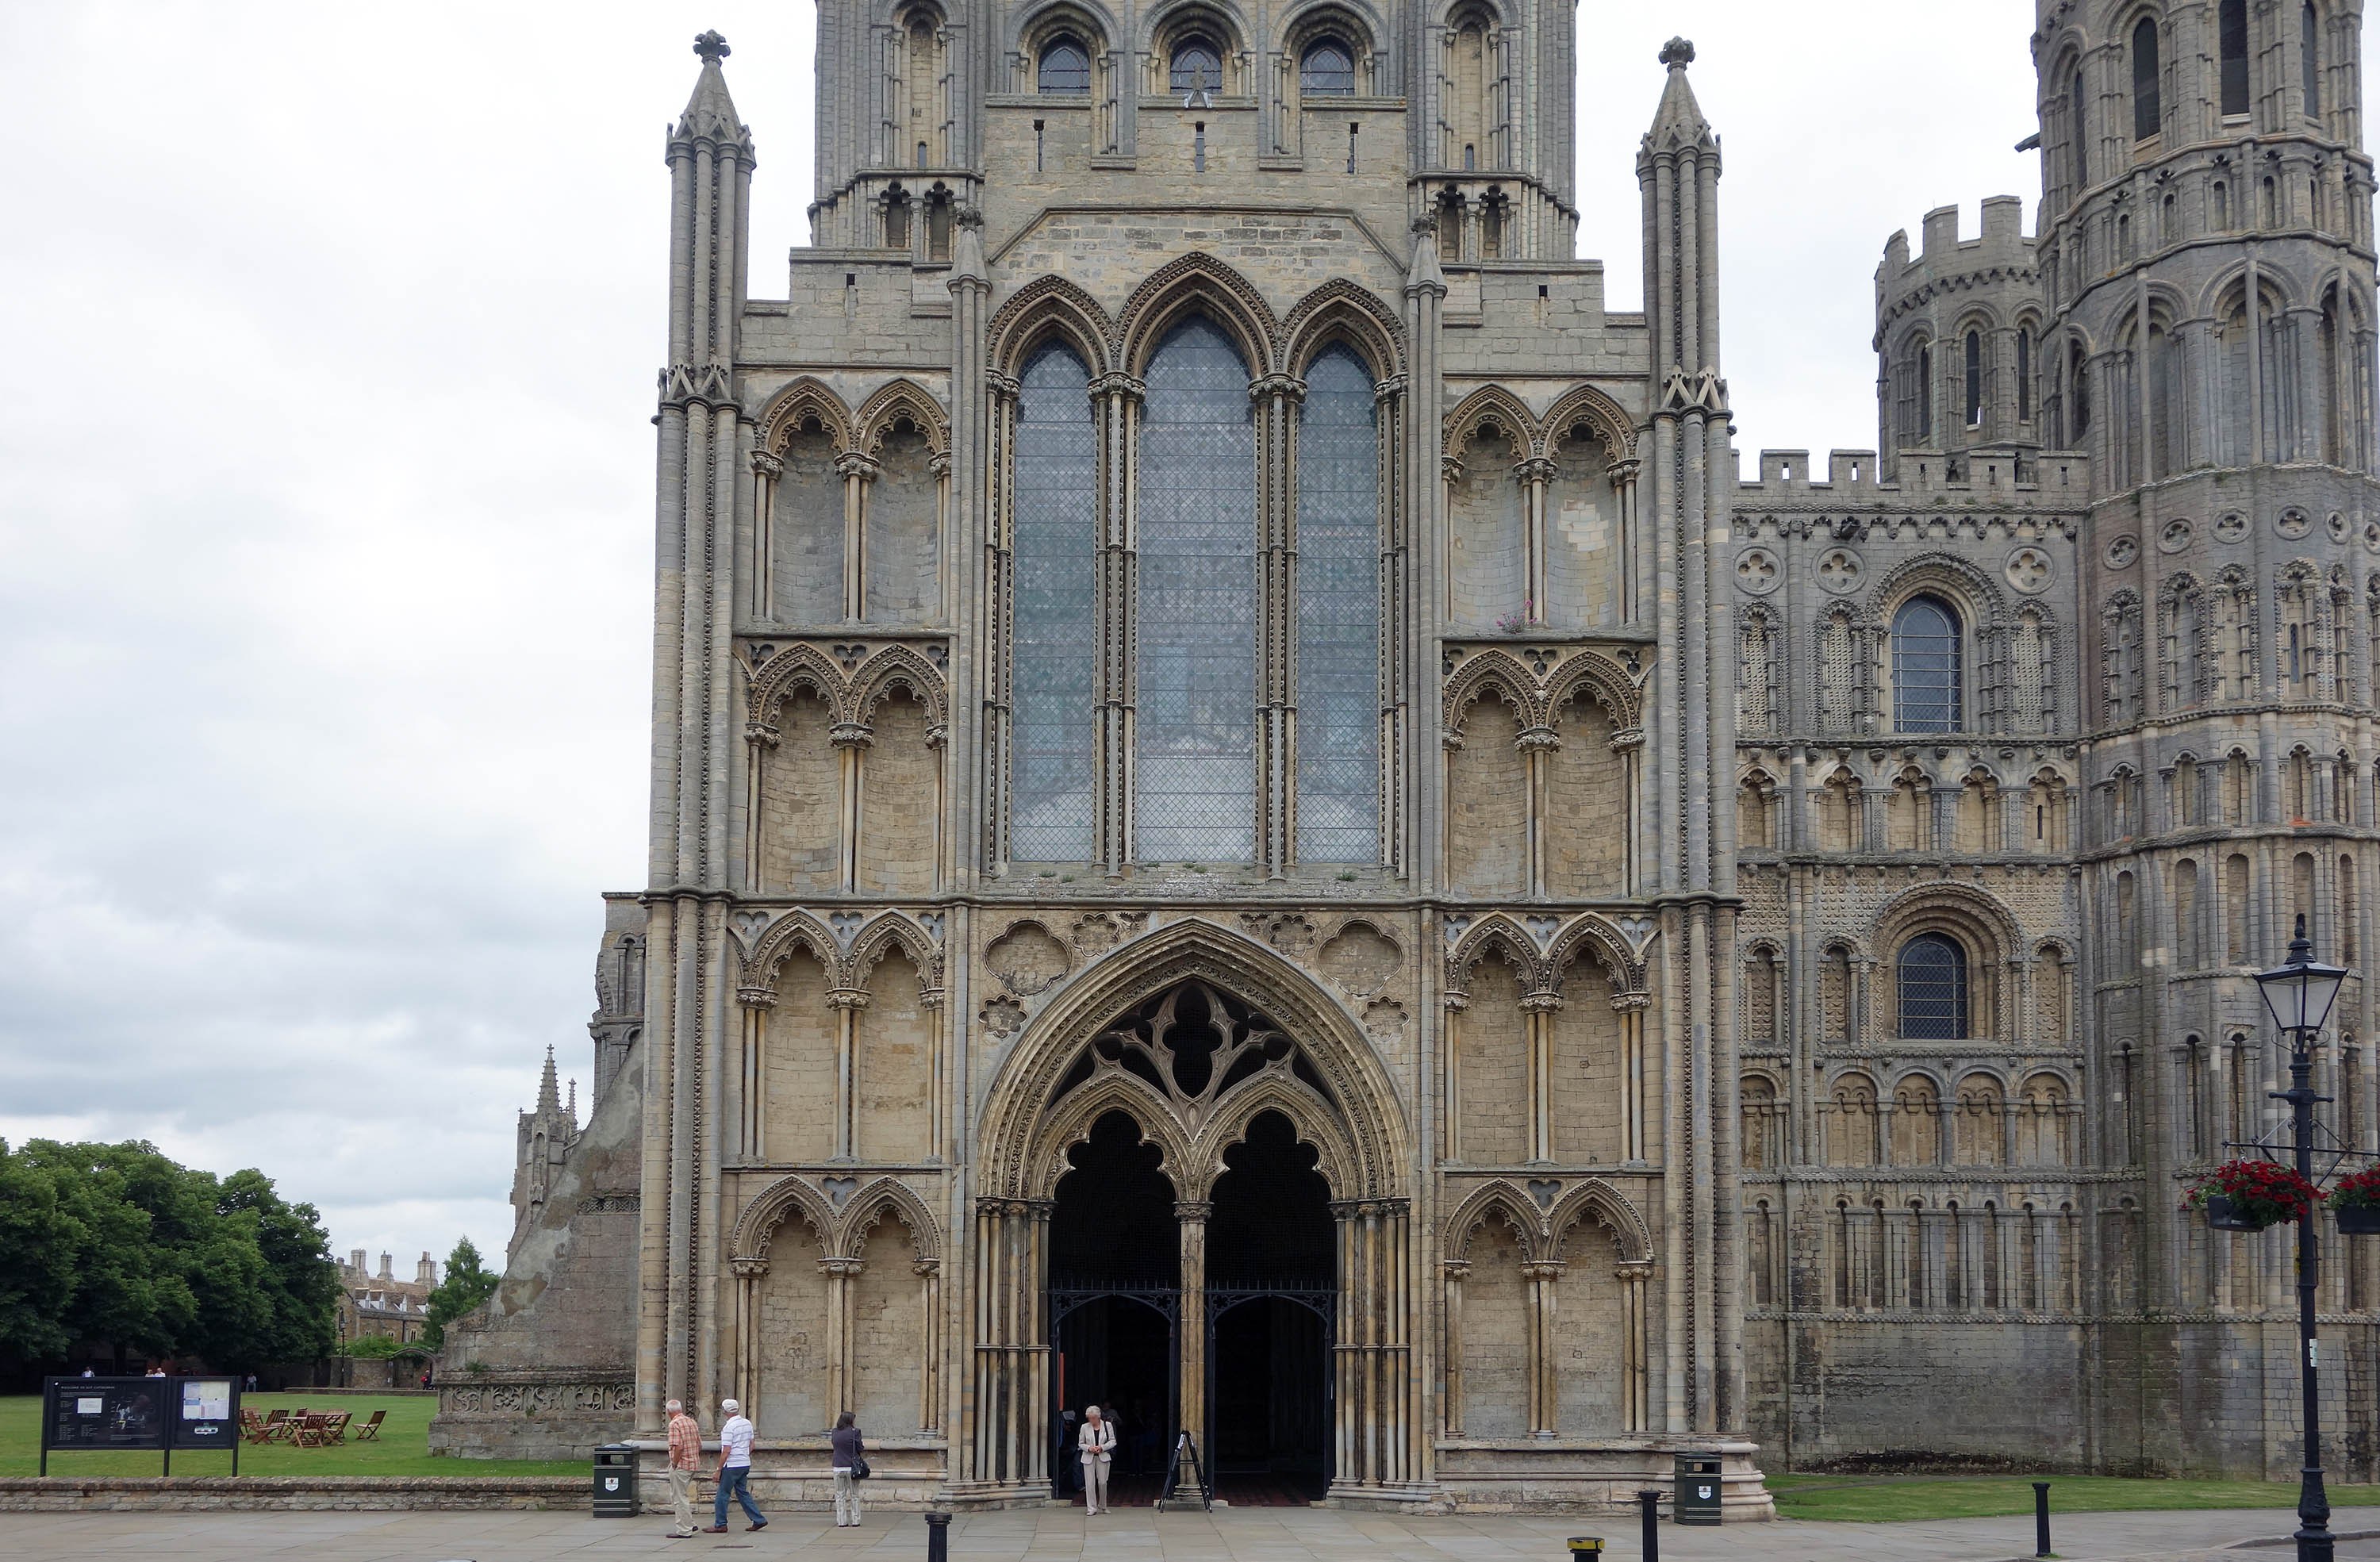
[[734, 1470]]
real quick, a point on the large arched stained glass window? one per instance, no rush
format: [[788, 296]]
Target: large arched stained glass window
[[1054, 735], [1194, 746], [1926, 693], [1065, 69], [1338, 613], [1933, 971]]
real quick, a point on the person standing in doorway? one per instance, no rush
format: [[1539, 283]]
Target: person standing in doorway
[[734, 1470], [850, 1456], [1098, 1441], [685, 1464]]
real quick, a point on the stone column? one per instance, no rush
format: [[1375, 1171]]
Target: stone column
[[1544, 1403], [1536, 744], [839, 1273], [846, 1002], [749, 1273], [1635, 1387], [1540, 1008], [1450, 1076], [1533, 474], [1454, 1270], [998, 585], [1191, 1217], [766, 469], [1277, 398], [850, 740], [929, 1342], [752, 1139], [1115, 400], [1396, 553], [856, 471]]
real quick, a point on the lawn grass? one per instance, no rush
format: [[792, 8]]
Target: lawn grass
[[402, 1449], [1878, 1499]]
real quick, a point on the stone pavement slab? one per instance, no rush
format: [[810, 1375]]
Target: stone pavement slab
[[1064, 1534]]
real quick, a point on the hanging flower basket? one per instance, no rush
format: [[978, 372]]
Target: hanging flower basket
[[2356, 1202], [2251, 1195]]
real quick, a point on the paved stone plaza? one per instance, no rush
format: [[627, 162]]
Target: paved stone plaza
[[1051, 1534]]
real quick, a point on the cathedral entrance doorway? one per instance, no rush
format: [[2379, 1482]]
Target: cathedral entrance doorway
[[1272, 1303], [1115, 1297], [1191, 1217]]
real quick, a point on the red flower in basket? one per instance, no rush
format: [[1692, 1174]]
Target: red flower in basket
[[2251, 1195], [2356, 1201]]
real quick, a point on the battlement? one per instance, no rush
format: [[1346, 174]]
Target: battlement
[[2052, 480], [1942, 252]]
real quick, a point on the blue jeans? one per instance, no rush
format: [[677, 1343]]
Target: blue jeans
[[734, 1479]]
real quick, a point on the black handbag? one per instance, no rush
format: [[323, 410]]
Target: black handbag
[[860, 1471]]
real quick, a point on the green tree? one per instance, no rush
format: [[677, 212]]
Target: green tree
[[299, 1278], [466, 1285], [41, 1245]]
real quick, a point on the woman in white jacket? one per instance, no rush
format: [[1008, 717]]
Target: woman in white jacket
[[1098, 1440]]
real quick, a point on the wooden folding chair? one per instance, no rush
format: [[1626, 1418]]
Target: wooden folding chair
[[335, 1426], [276, 1426], [370, 1431], [313, 1431]]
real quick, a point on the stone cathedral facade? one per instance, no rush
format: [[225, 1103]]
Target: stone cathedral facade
[[1252, 821]]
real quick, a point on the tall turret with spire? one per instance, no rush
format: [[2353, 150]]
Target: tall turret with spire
[[543, 1137]]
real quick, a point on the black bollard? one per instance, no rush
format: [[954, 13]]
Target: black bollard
[[938, 1537], [2041, 1520], [1651, 1503]]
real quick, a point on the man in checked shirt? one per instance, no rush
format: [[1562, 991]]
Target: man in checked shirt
[[686, 1459]]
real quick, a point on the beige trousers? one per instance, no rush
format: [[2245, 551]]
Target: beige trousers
[[1095, 1485], [846, 1499], [682, 1496]]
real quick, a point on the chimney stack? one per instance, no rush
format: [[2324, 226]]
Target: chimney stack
[[388, 1266], [427, 1274], [356, 1260]]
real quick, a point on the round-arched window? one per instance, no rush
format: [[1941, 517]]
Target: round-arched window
[[1926, 686], [1197, 66], [1328, 70], [1065, 68], [1933, 971]]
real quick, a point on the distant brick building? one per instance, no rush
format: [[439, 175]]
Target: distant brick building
[[380, 1304], [1252, 822]]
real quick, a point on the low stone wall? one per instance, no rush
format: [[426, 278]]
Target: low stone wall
[[203, 1493]]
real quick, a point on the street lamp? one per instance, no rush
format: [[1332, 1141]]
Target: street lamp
[[2299, 993]]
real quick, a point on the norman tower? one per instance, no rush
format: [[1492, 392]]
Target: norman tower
[[1251, 823]]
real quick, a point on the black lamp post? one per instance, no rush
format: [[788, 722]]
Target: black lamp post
[[2299, 993]]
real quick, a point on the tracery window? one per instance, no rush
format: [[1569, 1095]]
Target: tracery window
[[1338, 613], [1065, 69], [2309, 57], [1933, 981], [1328, 70], [1195, 745], [2146, 114], [1055, 532], [2081, 116], [1925, 668], [2231, 34], [2024, 374], [1974, 378], [1196, 66]]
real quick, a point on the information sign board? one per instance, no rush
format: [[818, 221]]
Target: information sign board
[[100, 1415]]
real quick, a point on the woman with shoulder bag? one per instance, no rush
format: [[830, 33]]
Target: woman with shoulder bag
[[1099, 1440], [850, 1468]]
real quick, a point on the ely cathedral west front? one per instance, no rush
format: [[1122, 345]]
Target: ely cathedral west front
[[1255, 821]]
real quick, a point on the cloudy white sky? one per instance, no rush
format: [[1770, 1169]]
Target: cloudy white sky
[[325, 510]]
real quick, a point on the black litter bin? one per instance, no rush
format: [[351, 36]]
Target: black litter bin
[[1698, 1497], [615, 1481]]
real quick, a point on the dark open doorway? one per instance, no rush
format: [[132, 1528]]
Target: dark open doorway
[[1271, 1279], [1114, 1297]]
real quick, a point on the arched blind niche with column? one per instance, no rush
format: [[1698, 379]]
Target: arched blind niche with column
[[1195, 606]]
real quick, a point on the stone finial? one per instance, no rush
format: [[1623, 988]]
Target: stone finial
[[713, 48], [1677, 53]]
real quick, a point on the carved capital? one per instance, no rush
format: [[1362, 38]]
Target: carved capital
[[926, 1268], [851, 734], [1454, 1269], [1456, 1000], [1450, 467], [1120, 384], [848, 997], [765, 465], [1631, 1002], [757, 998], [1543, 740], [851, 463], [748, 1268], [761, 735], [1543, 1269], [1193, 1212], [1390, 389], [843, 1266], [939, 464], [1536, 469], [1541, 1004], [1288, 386], [1007, 387]]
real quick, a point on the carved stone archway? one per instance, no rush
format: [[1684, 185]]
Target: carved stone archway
[[1280, 1044]]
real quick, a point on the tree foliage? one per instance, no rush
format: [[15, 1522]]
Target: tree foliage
[[467, 1284], [116, 1247]]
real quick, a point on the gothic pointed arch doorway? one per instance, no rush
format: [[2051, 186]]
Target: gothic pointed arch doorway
[[1196, 1066]]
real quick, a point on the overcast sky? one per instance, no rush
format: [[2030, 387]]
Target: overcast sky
[[326, 509]]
